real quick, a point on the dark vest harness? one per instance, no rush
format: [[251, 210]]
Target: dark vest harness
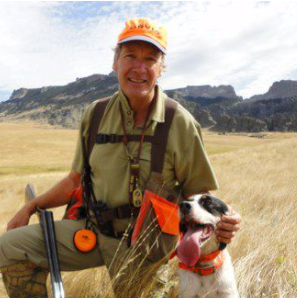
[[103, 214]]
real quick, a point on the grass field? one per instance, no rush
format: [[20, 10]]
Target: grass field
[[257, 176]]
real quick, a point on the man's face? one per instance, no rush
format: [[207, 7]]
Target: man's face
[[138, 67]]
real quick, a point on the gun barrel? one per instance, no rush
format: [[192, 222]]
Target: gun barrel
[[46, 221]]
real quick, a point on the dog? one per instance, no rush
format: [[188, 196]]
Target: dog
[[205, 268]]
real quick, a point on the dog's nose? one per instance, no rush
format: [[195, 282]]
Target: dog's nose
[[185, 207]]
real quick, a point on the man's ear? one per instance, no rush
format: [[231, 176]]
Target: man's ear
[[162, 68], [115, 67], [160, 72]]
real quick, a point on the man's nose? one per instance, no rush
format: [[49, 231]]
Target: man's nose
[[140, 66]]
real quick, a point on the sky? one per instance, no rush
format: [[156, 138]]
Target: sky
[[246, 44]]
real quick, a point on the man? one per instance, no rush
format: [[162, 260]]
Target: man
[[136, 109]]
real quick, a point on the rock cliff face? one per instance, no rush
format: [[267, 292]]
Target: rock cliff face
[[224, 111], [20, 93], [62, 105], [206, 91], [277, 114], [218, 108], [282, 89]]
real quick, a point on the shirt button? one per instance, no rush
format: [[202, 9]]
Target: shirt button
[[129, 113]]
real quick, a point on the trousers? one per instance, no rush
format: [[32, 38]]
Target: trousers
[[27, 244]]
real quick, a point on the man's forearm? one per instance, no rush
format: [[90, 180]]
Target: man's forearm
[[57, 196]]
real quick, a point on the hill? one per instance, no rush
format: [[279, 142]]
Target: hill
[[216, 107]]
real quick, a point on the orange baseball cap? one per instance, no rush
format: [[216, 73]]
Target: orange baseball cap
[[144, 29]]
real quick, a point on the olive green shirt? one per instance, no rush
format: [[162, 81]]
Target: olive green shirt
[[186, 161]]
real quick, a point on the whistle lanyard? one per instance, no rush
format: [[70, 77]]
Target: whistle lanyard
[[135, 193]]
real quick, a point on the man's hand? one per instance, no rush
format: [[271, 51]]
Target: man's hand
[[228, 226], [22, 217], [57, 196]]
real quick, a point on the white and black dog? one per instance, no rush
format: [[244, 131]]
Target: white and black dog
[[205, 265]]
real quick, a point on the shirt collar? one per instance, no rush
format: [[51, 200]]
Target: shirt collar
[[158, 113]]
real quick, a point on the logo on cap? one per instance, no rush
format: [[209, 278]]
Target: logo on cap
[[145, 30]]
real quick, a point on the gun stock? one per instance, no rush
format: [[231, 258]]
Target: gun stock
[[46, 221]]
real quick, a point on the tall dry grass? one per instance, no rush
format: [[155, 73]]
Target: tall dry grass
[[261, 184], [257, 178]]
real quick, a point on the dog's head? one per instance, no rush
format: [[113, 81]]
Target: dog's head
[[199, 215]]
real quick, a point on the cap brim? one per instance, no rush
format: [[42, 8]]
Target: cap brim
[[144, 38]]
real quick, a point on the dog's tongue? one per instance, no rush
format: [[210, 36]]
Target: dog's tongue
[[188, 250]]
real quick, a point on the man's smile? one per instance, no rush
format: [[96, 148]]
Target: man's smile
[[136, 80]]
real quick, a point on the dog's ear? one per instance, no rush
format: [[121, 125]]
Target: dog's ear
[[222, 246]]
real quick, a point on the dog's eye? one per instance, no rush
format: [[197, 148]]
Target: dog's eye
[[206, 201]]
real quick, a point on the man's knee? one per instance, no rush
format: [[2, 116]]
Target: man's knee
[[12, 247], [7, 241]]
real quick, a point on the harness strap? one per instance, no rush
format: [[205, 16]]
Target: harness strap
[[113, 138], [159, 140], [161, 137], [88, 192], [120, 212], [95, 122], [159, 143]]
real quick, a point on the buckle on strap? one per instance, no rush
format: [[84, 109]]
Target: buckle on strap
[[105, 214], [113, 138], [101, 138]]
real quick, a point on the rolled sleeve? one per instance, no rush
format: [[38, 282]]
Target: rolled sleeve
[[192, 166], [78, 160], [77, 163]]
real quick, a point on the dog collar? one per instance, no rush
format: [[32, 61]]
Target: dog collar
[[217, 257]]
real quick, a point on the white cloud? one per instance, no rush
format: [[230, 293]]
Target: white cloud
[[39, 48], [246, 44]]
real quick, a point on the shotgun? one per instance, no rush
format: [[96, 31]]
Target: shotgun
[[46, 221]]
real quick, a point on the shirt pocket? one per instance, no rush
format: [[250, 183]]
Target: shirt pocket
[[108, 158]]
